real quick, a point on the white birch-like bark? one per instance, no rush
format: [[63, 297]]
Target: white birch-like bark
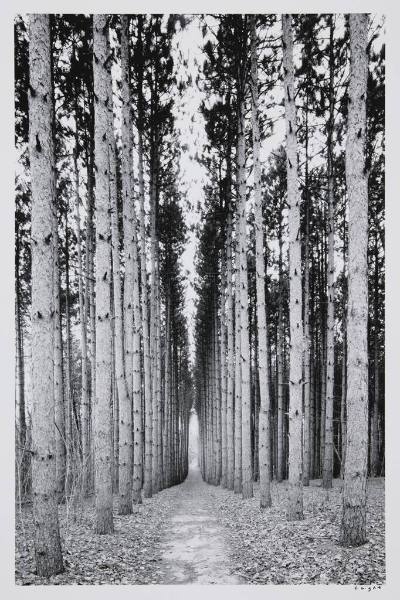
[[353, 530], [295, 504], [264, 418], [102, 424], [48, 555]]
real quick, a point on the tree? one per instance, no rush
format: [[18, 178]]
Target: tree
[[247, 481], [102, 430], [125, 375], [353, 529], [295, 506], [48, 553], [330, 325], [264, 436]]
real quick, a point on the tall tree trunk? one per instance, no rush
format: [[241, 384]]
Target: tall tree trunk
[[330, 322], [147, 492], [102, 430], [58, 374], [295, 507], [230, 360], [126, 398], [375, 407], [153, 322], [238, 376], [218, 399], [20, 365], [167, 393], [353, 531], [82, 320], [157, 476], [307, 370], [344, 357], [247, 479], [223, 361], [264, 418], [68, 386], [132, 295], [280, 351], [48, 553], [90, 291]]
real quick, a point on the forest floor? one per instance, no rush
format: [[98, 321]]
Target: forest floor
[[198, 533]]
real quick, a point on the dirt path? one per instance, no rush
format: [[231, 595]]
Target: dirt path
[[193, 547]]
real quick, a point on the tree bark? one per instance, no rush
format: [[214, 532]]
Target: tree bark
[[330, 322], [374, 462], [48, 553], [238, 376], [295, 506], [102, 430], [307, 341], [353, 531], [223, 385], [247, 479], [230, 360], [280, 351], [82, 320], [264, 416]]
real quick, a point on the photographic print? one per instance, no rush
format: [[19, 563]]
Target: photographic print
[[200, 299]]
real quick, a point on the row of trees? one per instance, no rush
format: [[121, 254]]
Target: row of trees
[[99, 283], [290, 320]]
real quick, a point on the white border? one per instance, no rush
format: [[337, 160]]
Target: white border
[[7, 12]]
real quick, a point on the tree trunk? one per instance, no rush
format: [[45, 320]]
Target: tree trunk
[[102, 431], [90, 292], [264, 417], [247, 479], [280, 351], [48, 553], [147, 491], [353, 531], [295, 507], [230, 360], [82, 320], [330, 322], [68, 387], [238, 376], [58, 375], [218, 395], [223, 384], [375, 407], [344, 352], [307, 370], [20, 366]]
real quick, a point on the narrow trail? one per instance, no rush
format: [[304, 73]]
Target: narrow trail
[[193, 546]]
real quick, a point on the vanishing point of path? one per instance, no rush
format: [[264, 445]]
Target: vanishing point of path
[[193, 547]]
